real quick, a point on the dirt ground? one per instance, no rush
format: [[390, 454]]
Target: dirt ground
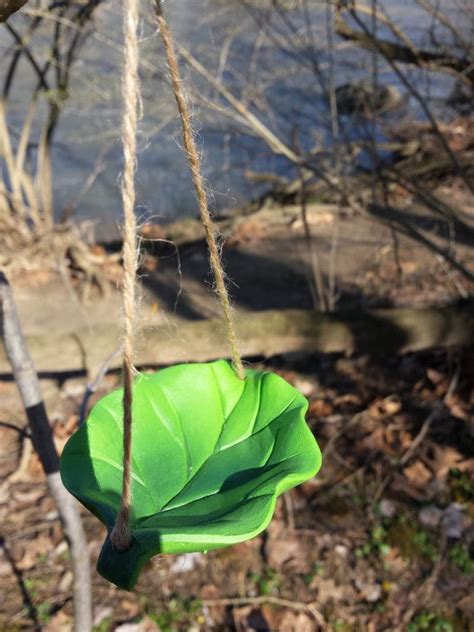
[[381, 539], [370, 261]]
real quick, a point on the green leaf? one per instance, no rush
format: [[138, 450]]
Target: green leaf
[[211, 453]]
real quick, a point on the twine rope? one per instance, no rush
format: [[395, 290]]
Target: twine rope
[[194, 161], [120, 535]]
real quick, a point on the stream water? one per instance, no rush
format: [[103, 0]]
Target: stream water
[[223, 35]]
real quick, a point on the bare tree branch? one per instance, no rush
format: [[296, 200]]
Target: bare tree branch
[[441, 62], [42, 438]]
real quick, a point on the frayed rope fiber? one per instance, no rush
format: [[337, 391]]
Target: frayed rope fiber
[[198, 181]]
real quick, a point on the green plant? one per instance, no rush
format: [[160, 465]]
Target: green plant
[[32, 586], [423, 542], [376, 543], [104, 626], [178, 615], [318, 569], [430, 621], [268, 582], [460, 556], [43, 611], [211, 453], [414, 543], [461, 486]]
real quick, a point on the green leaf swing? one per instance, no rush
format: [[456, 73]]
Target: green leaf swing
[[213, 445]]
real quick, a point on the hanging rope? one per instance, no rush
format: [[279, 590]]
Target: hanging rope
[[120, 536], [198, 181]]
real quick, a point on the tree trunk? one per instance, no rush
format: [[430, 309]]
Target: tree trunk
[[264, 333]]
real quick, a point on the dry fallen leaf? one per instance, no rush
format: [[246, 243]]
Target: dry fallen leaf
[[320, 408], [296, 622], [466, 605], [328, 590], [59, 622], [284, 551], [443, 458], [434, 376], [417, 474], [33, 550], [403, 485]]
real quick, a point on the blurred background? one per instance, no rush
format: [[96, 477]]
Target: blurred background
[[337, 140]]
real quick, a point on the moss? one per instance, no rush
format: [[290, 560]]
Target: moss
[[414, 544]]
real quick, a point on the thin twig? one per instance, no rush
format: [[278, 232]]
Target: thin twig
[[309, 608], [92, 387], [425, 592], [420, 437]]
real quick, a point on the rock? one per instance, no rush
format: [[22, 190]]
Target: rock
[[430, 516], [342, 551], [452, 522], [387, 508]]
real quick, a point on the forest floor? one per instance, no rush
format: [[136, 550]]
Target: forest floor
[[381, 539]]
